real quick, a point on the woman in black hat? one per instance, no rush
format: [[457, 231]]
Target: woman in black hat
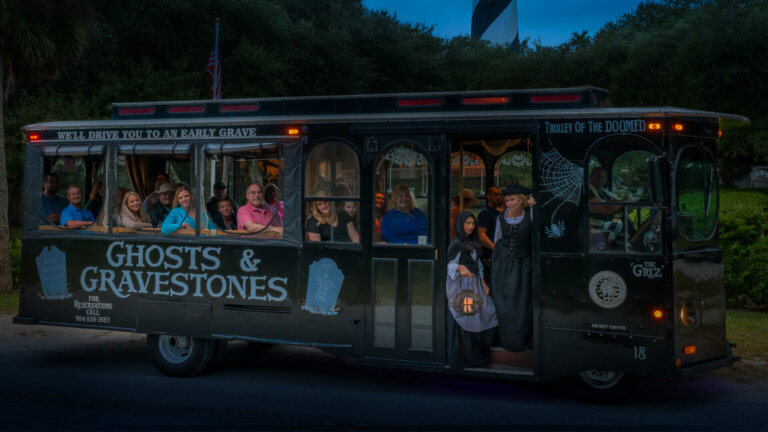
[[511, 277], [473, 311]]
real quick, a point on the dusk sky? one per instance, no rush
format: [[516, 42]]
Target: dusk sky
[[552, 21]]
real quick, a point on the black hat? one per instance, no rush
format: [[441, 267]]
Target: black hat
[[516, 189], [219, 185]]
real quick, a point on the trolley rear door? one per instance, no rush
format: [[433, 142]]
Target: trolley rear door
[[405, 306]]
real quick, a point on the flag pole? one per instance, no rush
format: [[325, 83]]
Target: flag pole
[[217, 78]]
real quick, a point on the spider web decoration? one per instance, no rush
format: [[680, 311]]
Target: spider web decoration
[[560, 177]]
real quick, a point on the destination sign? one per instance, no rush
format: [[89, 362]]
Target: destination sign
[[134, 134], [595, 126]]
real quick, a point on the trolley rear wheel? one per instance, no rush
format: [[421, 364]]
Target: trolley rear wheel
[[180, 356], [605, 387]]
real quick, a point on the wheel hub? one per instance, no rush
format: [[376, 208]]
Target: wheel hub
[[175, 349]]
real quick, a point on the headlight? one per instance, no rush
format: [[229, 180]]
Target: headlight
[[688, 315]]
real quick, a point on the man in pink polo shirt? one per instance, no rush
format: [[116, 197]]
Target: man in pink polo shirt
[[255, 216]]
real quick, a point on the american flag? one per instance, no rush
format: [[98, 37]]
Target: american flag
[[214, 71]]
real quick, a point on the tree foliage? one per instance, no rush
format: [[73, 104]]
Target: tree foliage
[[702, 54]]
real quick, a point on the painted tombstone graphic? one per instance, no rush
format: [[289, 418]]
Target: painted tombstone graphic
[[323, 287], [52, 268]]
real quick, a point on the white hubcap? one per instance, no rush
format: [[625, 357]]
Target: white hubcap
[[175, 349], [601, 379]]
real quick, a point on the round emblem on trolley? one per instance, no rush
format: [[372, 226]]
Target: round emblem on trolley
[[607, 289]]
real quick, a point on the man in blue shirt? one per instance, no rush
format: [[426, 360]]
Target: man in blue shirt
[[73, 216], [51, 203]]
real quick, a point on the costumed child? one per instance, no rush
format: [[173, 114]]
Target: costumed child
[[472, 309], [511, 277]]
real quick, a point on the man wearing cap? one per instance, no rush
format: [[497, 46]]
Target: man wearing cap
[[159, 210], [151, 199], [219, 193], [469, 199]]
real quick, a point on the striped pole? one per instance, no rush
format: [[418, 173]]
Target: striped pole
[[495, 21]]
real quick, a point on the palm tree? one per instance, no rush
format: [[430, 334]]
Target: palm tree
[[37, 39]]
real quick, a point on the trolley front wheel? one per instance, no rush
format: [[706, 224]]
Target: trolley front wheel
[[180, 356], [605, 387]]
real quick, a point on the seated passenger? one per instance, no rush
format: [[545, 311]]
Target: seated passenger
[[183, 214], [132, 216], [469, 199], [96, 198], [404, 223], [152, 198], [604, 231], [381, 210], [255, 217], [219, 193], [350, 210], [103, 221], [159, 210], [51, 203], [327, 225], [225, 217], [73, 216], [272, 199]]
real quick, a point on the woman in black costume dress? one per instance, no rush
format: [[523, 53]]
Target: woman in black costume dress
[[511, 278], [474, 315]]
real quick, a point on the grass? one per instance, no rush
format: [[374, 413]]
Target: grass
[[749, 331], [9, 302]]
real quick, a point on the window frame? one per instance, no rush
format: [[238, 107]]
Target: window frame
[[305, 199], [431, 191], [713, 161], [636, 143]]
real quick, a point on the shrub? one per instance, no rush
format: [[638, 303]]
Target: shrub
[[15, 255], [744, 240]]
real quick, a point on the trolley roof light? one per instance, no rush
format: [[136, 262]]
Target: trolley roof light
[[239, 108], [654, 126], [678, 127], [496, 100], [410, 103], [294, 131], [33, 137], [186, 109], [137, 111], [556, 98]]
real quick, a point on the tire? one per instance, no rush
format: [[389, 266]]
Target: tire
[[180, 356], [604, 387]]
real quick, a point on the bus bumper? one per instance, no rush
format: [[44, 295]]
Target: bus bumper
[[700, 368], [18, 319]]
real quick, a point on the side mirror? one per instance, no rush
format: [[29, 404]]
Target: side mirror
[[658, 174]]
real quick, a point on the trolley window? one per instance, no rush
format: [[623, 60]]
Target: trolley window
[[402, 177], [151, 183], [621, 217], [332, 191], [514, 168], [697, 200], [243, 185], [73, 188]]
